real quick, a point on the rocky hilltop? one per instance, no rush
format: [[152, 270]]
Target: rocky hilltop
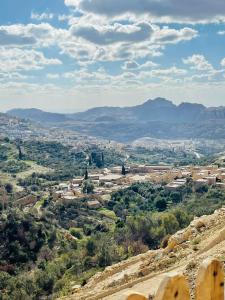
[[203, 238]]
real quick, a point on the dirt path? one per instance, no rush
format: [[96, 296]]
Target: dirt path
[[124, 277], [147, 287], [150, 286]]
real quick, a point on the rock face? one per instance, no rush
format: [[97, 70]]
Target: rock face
[[204, 237], [196, 227], [179, 238]]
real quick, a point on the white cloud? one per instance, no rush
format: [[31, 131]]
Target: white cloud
[[96, 39], [85, 52], [173, 71], [42, 34], [116, 33], [121, 33], [110, 42], [223, 62], [52, 76], [136, 32], [201, 70], [222, 32], [198, 62], [164, 11], [133, 65], [16, 59], [72, 2], [8, 38], [125, 79], [63, 18], [11, 76], [172, 36], [41, 17]]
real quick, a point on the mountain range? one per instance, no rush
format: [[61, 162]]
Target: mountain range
[[158, 118]]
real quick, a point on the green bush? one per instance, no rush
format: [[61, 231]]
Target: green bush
[[13, 166], [76, 232]]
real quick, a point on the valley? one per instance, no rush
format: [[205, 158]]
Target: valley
[[104, 211], [112, 149]]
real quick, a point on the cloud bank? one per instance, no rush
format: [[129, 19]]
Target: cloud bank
[[170, 10]]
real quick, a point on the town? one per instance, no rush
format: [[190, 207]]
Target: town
[[99, 185]]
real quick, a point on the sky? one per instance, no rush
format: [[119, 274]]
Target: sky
[[70, 55]]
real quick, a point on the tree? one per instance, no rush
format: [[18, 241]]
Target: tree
[[20, 154], [104, 258], [9, 188], [160, 203], [123, 172], [88, 187], [170, 223], [4, 278], [103, 159], [45, 280], [182, 217], [97, 159], [176, 197], [86, 175], [90, 160], [6, 140], [76, 232], [90, 246]]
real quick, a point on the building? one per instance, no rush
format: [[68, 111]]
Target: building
[[200, 182], [63, 186], [149, 169], [78, 180], [220, 185], [211, 180], [94, 176], [93, 204], [172, 186], [110, 178]]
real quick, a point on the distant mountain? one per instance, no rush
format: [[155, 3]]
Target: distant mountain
[[158, 109], [158, 118], [37, 115]]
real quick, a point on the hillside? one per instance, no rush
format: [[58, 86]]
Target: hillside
[[35, 165], [14, 127], [203, 238], [158, 118], [37, 115], [158, 109], [77, 241]]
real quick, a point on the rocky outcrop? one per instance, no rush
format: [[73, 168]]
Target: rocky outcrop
[[185, 251]]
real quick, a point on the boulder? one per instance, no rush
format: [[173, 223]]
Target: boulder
[[76, 288]]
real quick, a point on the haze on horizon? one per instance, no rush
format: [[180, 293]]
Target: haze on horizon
[[70, 111], [71, 55]]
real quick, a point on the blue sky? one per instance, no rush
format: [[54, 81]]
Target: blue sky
[[69, 55]]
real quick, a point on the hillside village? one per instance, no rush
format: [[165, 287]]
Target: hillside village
[[108, 180]]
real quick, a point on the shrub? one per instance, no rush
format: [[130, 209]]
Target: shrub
[[76, 232]]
